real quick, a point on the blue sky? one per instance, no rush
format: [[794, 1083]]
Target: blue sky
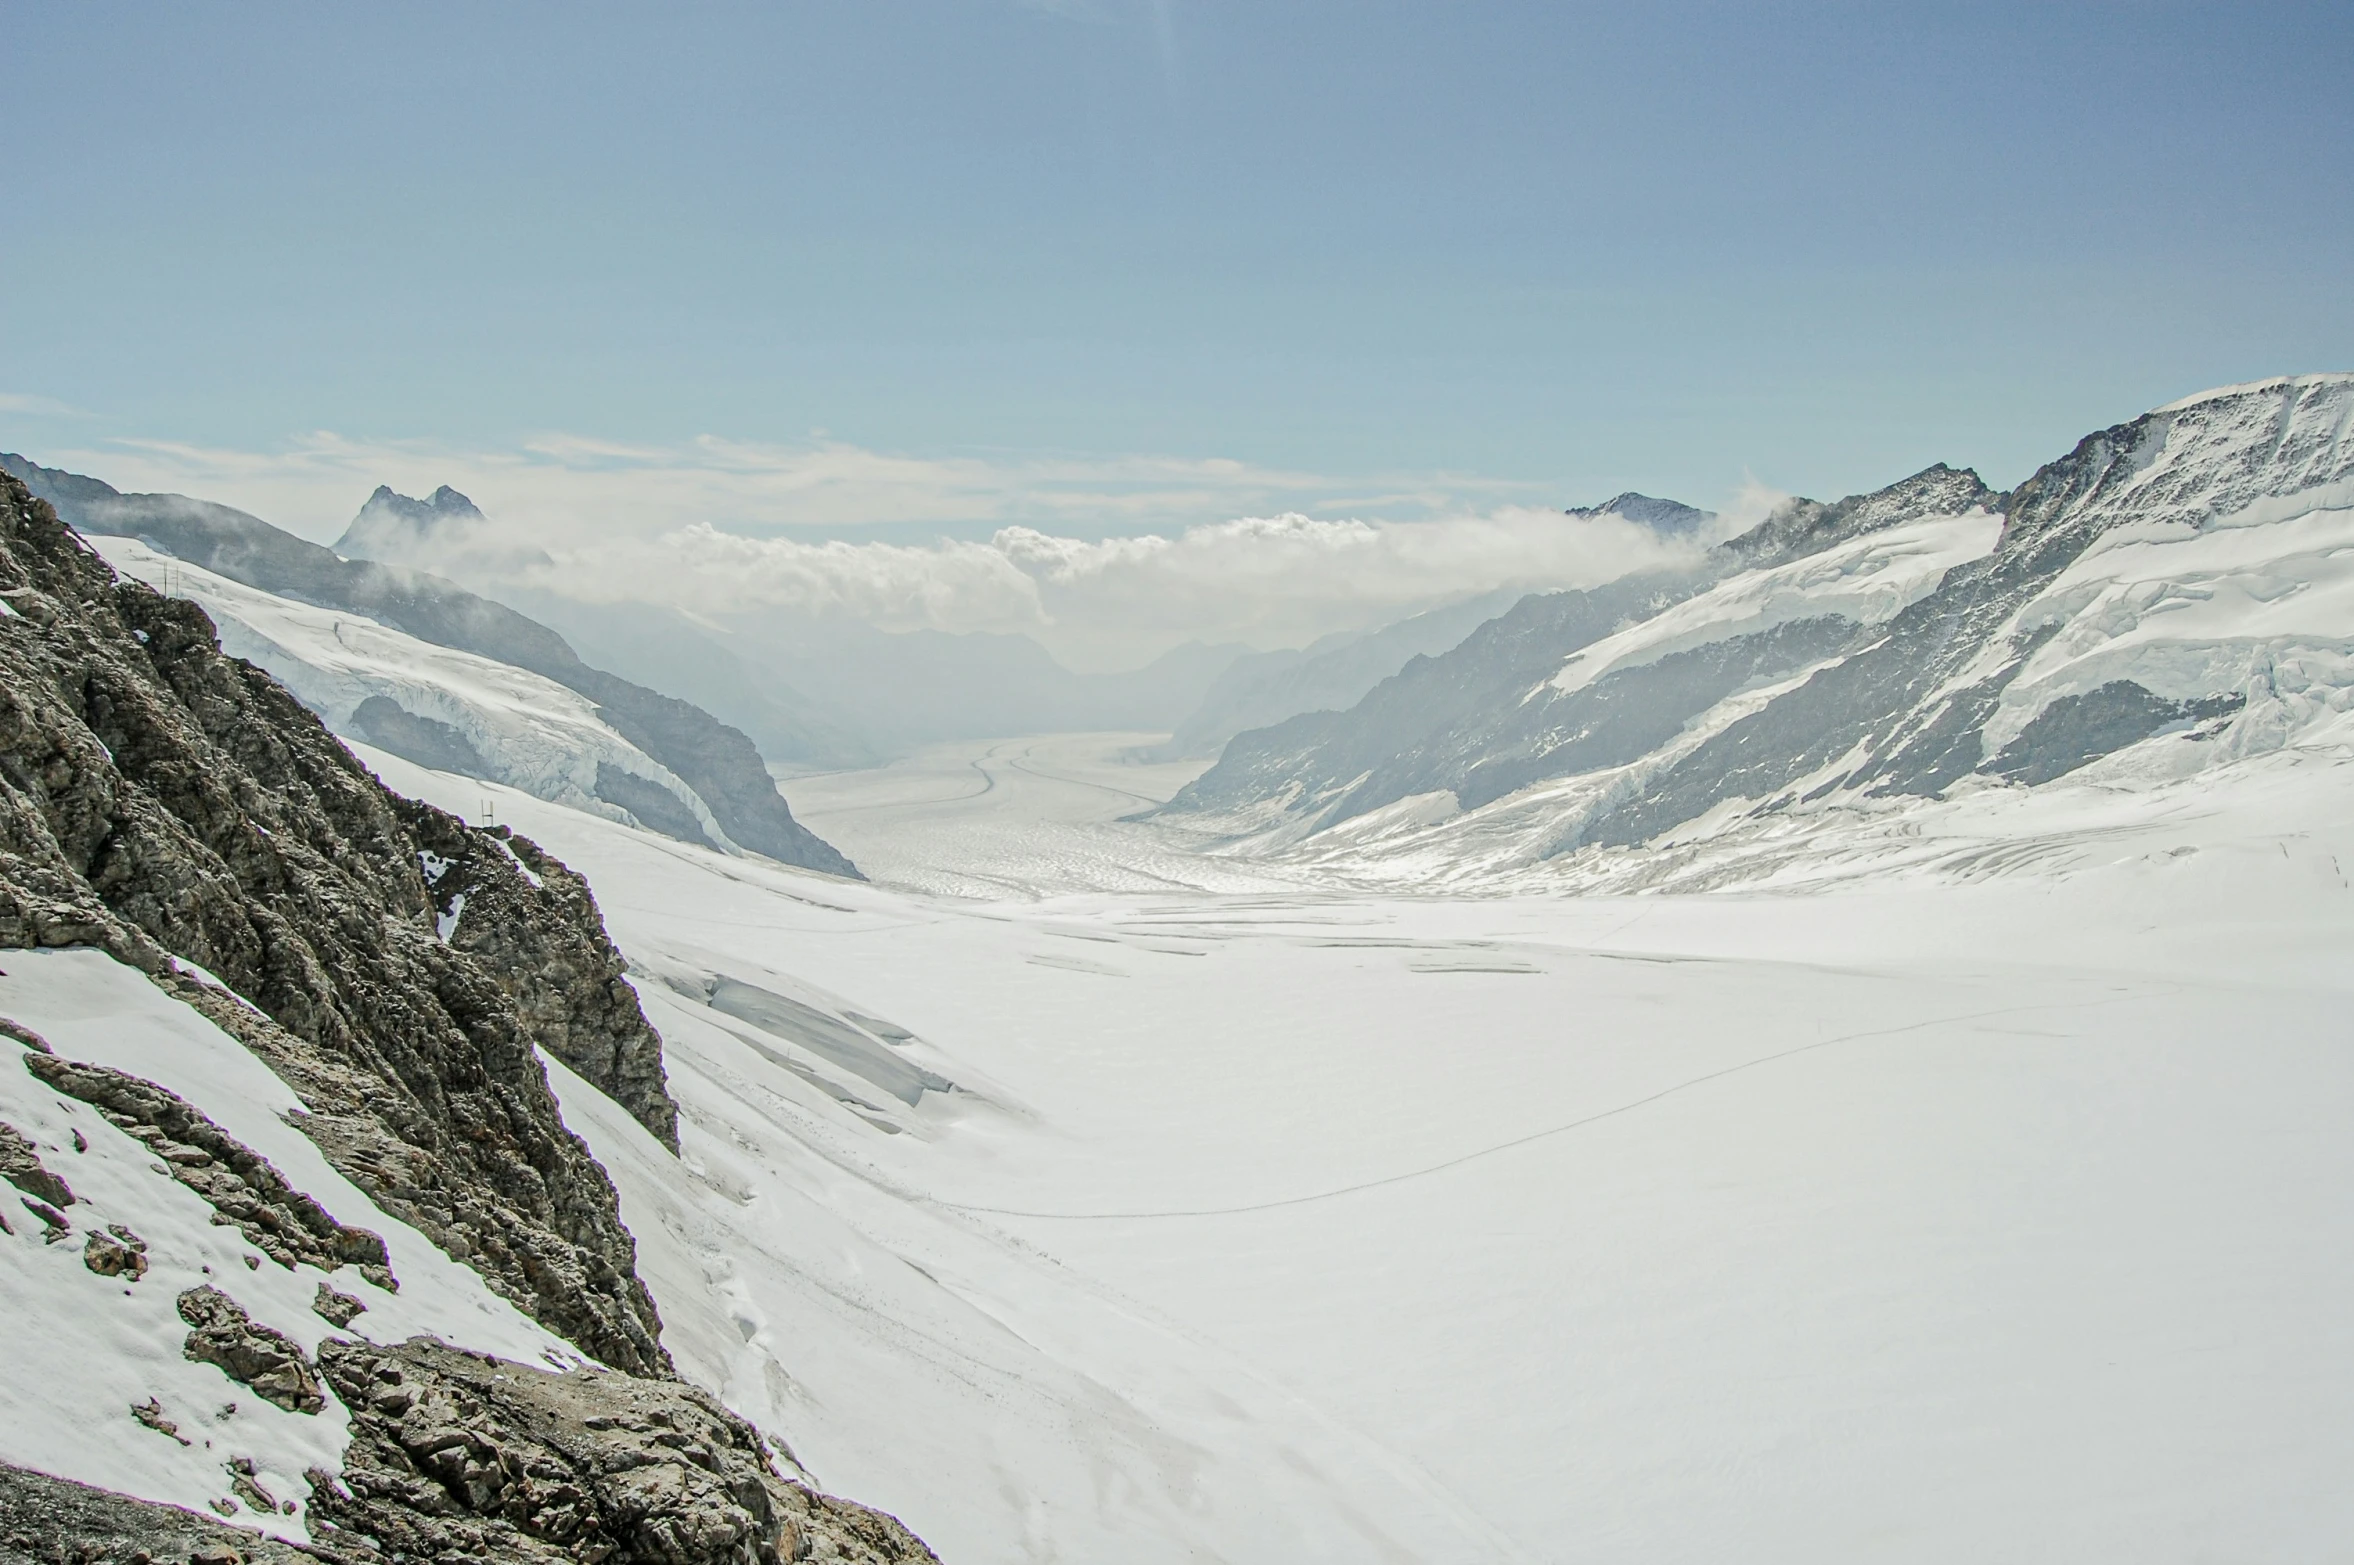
[[1184, 260]]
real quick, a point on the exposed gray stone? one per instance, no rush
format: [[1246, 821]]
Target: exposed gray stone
[[270, 1362], [336, 1309], [116, 1252], [20, 1165], [51, 1521], [386, 724], [458, 1455]]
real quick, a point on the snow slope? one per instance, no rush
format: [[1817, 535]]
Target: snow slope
[[1987, 1205], [85, 1348], [1864, 580], [531, 732]]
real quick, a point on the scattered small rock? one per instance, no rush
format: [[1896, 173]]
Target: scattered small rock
[[270, 1362], [247, 1487], [150, 1414], [11, 1028], [224, 1507], [51, 1218], [81, 1142], [253, 1263], [117, 1252], [20, 1165], [336, 1309]]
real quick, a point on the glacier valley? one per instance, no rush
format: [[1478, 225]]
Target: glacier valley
[[1836, 1052]]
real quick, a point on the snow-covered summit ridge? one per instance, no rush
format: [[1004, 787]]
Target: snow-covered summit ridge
[[2272, 383], [2239, 456]]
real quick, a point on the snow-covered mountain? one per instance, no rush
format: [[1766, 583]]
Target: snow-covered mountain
[[2171, 595], [424, 668]]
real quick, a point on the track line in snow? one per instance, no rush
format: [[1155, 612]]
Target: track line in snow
[[1532, 1137]]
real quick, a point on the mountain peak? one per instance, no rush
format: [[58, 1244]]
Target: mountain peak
[[400, 529], [1671, 517]]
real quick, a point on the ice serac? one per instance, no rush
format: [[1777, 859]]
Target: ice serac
[[160, 800], [718, 763]]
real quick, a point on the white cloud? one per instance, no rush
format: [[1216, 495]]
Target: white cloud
[[721, 527], [33, 406], [1271, 581]]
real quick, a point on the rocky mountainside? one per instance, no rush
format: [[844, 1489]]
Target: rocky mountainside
[[1890, 644], [402, 973], [721, 766]]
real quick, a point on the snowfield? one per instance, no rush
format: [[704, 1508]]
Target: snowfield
[[1987, 1198]]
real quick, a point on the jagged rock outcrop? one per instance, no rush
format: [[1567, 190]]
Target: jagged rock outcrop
[[459, 1456], [243, 1189], [21, 1166], [267, 1362], [157, 797], [392, 526], [718, 762]]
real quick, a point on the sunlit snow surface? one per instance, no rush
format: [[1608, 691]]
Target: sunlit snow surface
[[1985, 1194]]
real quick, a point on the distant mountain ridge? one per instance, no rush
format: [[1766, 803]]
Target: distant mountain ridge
[[717, 762], [1887, 645]]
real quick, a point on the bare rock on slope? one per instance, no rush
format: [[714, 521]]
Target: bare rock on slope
[[238, 1182], [266, 1361], [457, 1455]]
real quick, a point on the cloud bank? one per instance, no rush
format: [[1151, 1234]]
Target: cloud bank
[[720, 529]]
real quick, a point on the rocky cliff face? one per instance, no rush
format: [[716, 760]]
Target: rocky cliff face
[[160, 800]]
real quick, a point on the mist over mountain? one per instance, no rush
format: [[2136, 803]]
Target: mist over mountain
[[399, 530], [700, 765]]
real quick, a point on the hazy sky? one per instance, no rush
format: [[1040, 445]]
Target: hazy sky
[[1105, 265]]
